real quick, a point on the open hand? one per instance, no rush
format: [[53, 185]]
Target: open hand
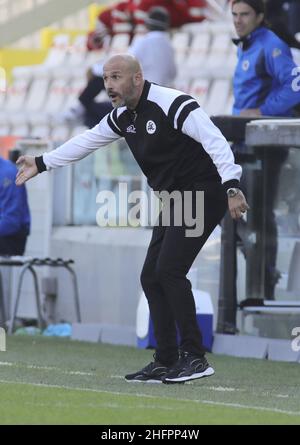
[[28, 169]]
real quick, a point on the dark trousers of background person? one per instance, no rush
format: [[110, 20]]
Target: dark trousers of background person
[[13, 244], [94, 111], [272, 168], [170, 255], [272, 165]]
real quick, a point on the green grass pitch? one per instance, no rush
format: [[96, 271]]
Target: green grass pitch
[[58, 381]]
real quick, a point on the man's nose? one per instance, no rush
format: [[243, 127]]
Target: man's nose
[[107, 84]]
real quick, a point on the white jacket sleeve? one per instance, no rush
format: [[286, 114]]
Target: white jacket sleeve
[[199, 127], [82, 145]]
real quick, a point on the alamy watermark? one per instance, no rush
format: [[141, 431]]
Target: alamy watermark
[[2, 340], [295, 344], [138, 208]]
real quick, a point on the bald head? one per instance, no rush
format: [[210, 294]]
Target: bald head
[[123, 80], [124, 62]]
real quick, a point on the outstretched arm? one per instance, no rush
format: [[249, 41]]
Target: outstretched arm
[[71, 151]]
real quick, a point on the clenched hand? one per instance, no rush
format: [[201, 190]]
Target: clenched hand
[[237, 205]]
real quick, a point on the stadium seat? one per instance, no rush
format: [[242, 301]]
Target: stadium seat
[[182, 84], [199, 90], [37, 94], [56, 96], [93, 57], [78, 130], [60, 133], [21, 130], [40, 131], [77, 52], [197, 53], [218, 97], [4, 128], [16, 95], [119, 44], [2, 97], [180, 42], [229, 104], [219, 48], [56, 56], [73, 90]]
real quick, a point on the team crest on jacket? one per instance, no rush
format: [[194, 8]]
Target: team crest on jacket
[[245, 65], [150, 127], [131, 129], [276, 52]]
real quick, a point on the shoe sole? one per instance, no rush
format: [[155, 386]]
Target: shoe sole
[[144, 381], [208, 372]]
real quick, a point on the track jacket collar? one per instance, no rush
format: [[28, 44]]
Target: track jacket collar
[[245, 42], [143, 97]]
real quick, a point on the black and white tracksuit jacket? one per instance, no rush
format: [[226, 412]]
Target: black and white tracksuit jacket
[[172, 139]]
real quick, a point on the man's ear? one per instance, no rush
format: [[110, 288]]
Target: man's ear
[[138, 78], [260, 18]]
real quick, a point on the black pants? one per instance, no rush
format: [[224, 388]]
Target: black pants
[[170, 255], [95, 111], [13, 244]]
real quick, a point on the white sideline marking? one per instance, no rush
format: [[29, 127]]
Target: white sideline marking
[[117, 393], [46, 368], [260, 408], [222, 388]]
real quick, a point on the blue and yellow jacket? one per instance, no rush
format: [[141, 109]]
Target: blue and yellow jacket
[[266, 76], [14, 210]]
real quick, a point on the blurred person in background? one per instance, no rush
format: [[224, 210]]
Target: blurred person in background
[[14, 212], [130, 17], [287, 11], [156, 55], [278, 17], [262, 86]]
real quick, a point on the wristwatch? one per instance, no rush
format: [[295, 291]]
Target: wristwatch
[[232, 192]]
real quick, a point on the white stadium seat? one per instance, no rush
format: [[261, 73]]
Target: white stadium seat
[[56, 96], [199, 90], [73, 90], [119, 44], [40, 131], [218, 51], [78, 130], [218, 97], [183, 84], [180, 42], [37, 94], [4, 129], [16, 94], [197, 53], [21, 130], [77, 52], [60, 133]]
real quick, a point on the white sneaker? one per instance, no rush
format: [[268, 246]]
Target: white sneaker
[[74, 115]]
